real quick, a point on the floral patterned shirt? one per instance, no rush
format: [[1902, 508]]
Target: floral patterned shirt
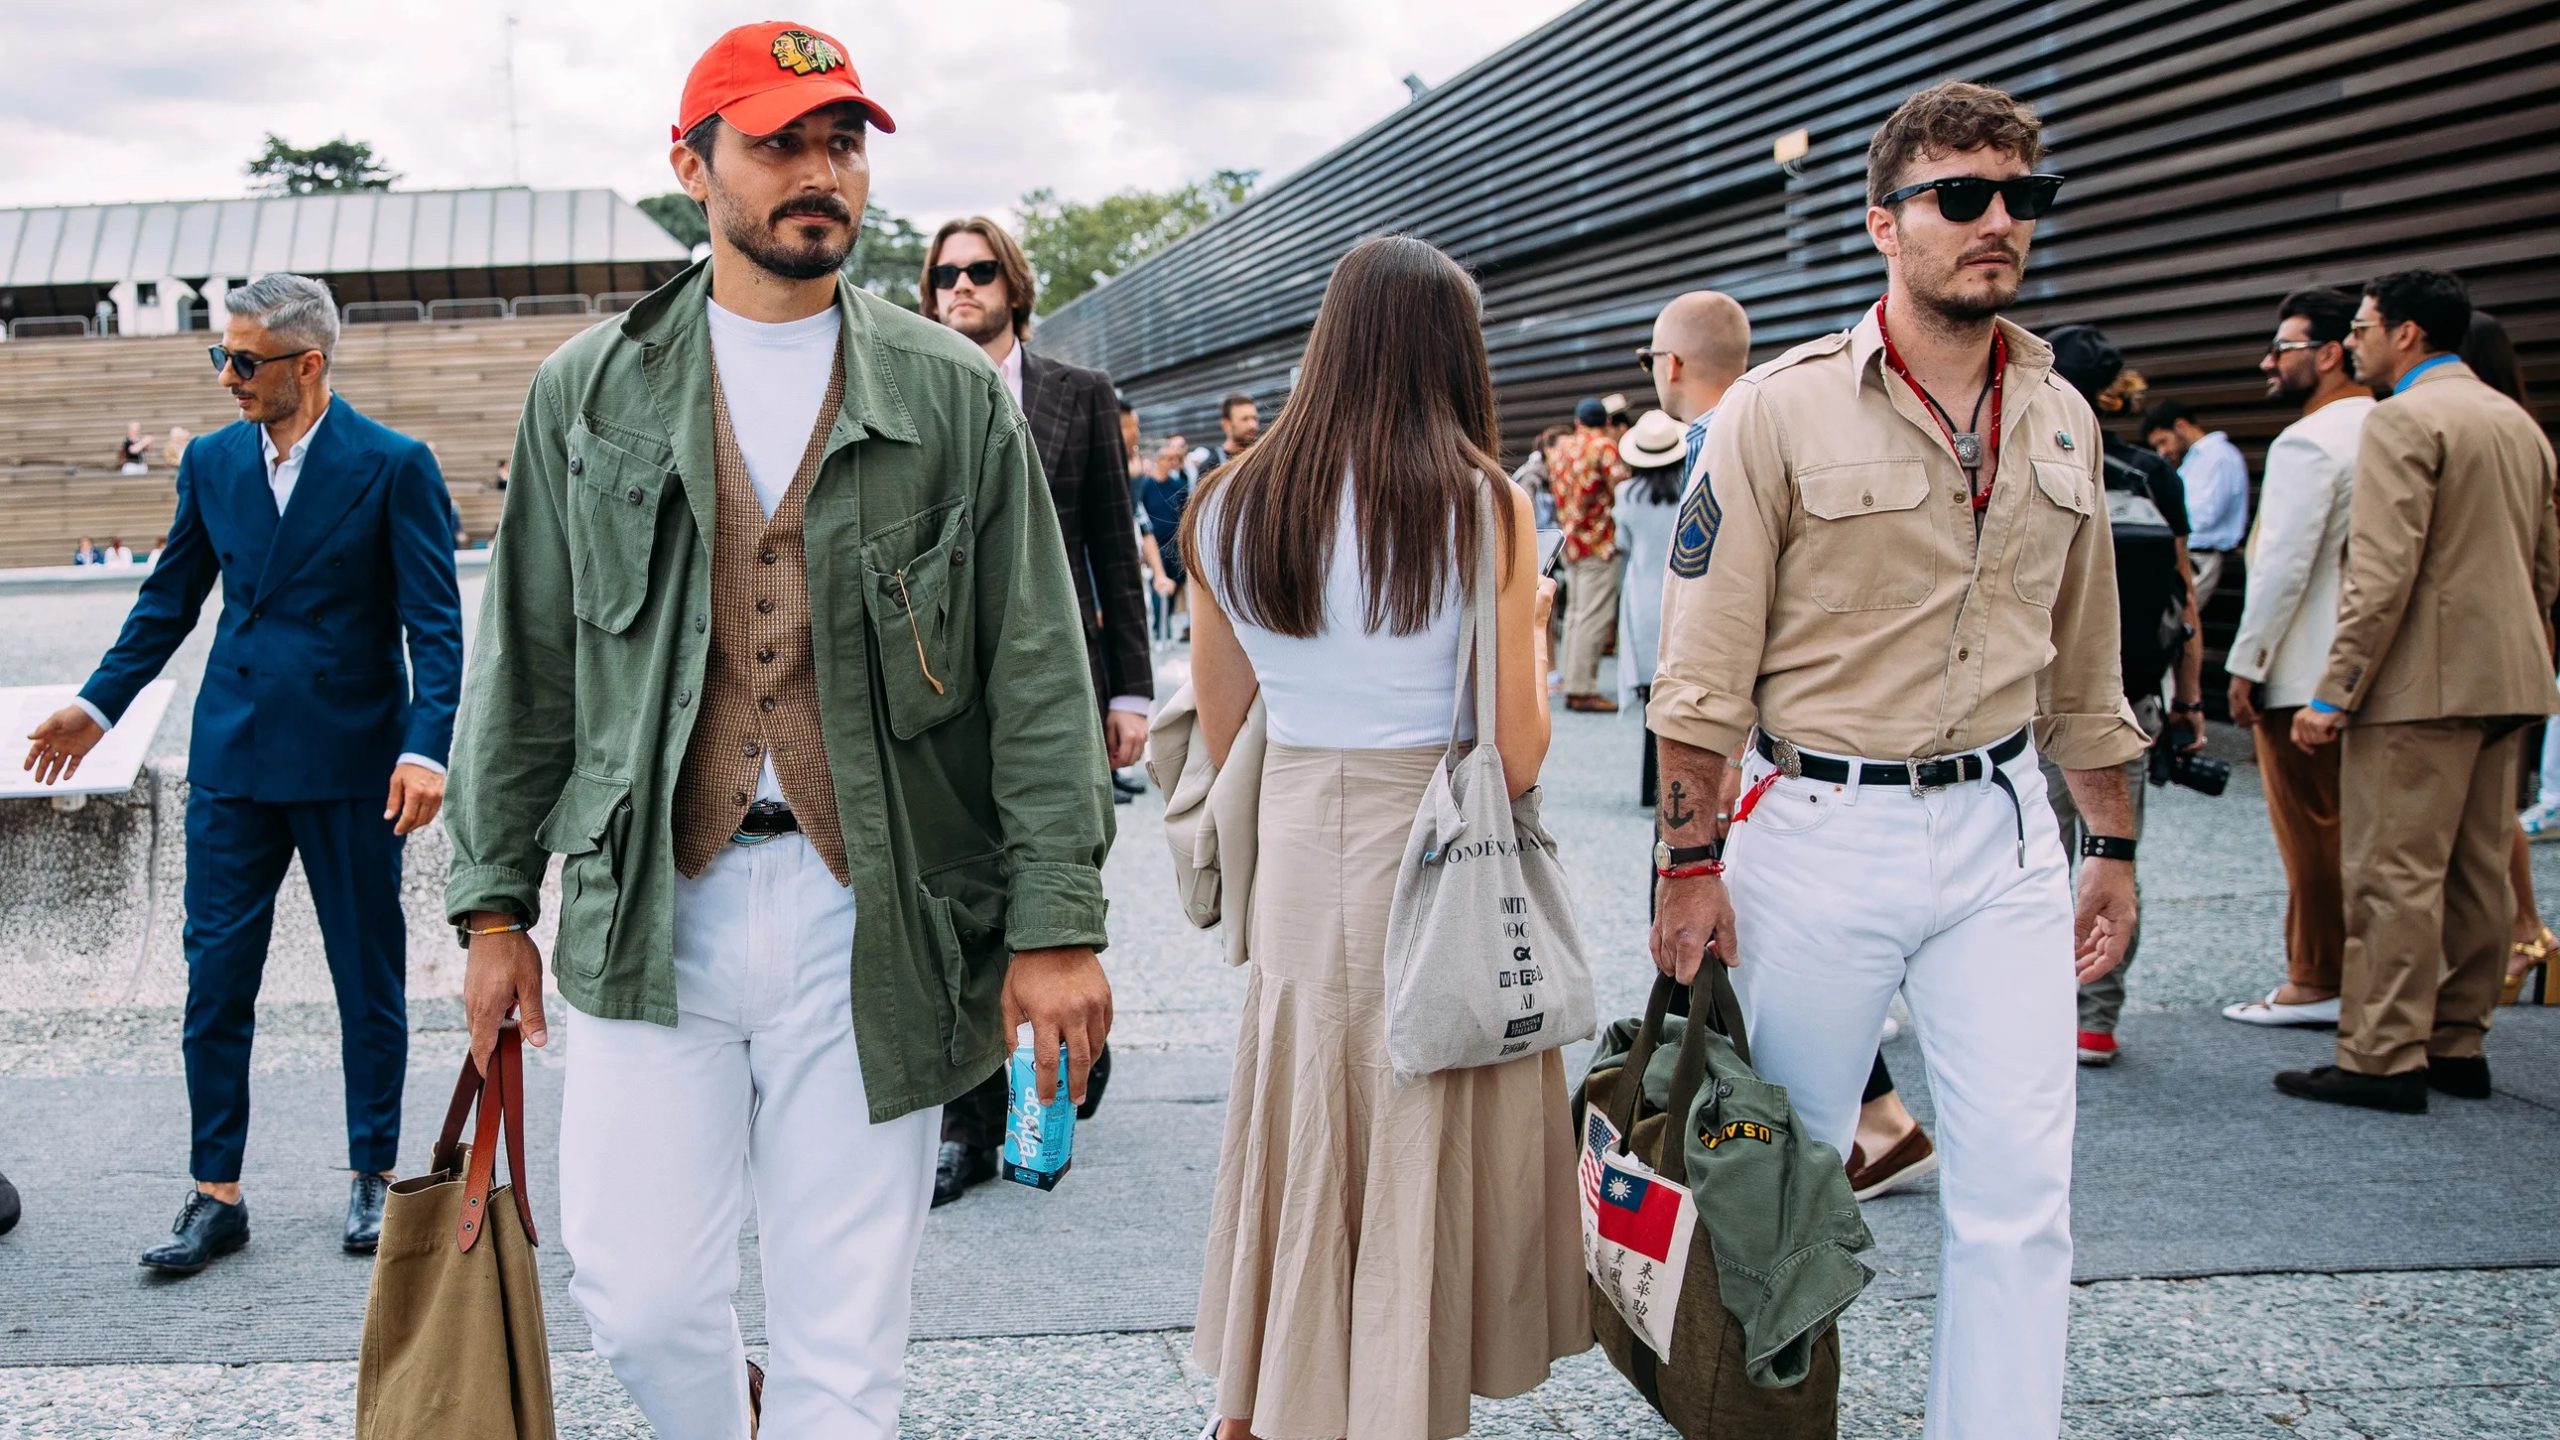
[[1586, 471]]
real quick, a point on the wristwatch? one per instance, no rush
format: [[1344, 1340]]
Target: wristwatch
[[1686, 861], [2186, 707], [2106, 847]]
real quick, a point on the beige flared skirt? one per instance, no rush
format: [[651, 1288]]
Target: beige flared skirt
[[1378, 1252]]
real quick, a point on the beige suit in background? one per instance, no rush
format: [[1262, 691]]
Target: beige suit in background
[[2453, 558]]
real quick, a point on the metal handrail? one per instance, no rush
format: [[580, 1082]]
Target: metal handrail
[[79, 324], [614, 302], [483, 307], [524, 305], [382, 312]]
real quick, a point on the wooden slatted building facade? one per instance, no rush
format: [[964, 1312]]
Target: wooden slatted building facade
[[2219, 155]]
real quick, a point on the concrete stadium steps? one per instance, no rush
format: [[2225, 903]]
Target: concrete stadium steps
[[459, 386]]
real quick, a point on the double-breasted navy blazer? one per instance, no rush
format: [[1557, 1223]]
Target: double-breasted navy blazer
[[308, 693]]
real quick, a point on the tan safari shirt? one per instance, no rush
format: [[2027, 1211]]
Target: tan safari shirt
[[1827, 582]]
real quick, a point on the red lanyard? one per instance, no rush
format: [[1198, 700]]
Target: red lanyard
[[1946, 427]]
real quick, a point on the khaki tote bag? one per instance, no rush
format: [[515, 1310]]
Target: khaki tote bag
[[1484, 962], [454, 1345]]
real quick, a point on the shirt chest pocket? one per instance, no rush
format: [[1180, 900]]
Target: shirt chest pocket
[[611, 512], [917, 592], [2062, 500], [1867, 540]]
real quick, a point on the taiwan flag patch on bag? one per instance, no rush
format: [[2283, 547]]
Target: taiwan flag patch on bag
[[1636, 1228]]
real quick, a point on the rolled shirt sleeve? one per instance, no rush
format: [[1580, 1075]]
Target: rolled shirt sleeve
[[1721, 580], [2083, 721]]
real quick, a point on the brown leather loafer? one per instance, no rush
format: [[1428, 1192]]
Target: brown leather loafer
[[1596, 704], [1912, 1159]]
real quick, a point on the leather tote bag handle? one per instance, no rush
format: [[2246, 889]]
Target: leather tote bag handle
[[500, 1097]]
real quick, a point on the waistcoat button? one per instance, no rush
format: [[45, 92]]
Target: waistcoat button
[[740, 796], [765, 656], [765, 606], [750, 748], [768, 557], [765, 704]]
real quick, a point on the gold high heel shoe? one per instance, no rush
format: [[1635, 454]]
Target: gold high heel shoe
[[2537, 955]]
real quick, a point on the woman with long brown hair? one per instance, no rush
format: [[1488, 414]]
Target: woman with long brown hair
[[1377, 1251]]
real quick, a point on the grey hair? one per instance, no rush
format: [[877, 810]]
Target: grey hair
[[296, 309]]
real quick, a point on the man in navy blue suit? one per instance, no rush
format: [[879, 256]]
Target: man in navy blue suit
[[332, 540]]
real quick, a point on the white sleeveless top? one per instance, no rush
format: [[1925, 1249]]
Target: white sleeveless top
[[1348, 687]]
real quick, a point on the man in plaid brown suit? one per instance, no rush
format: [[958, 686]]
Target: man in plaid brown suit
[[977, 281]]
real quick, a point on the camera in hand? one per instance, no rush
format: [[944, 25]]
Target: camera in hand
[[2199, 772]]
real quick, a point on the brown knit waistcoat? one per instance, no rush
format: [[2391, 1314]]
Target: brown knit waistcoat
[[760, 688]]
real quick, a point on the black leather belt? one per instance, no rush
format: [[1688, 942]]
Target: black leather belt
[[1917, 776], [764, 820]]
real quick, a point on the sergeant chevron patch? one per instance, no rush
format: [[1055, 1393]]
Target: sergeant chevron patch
[[1695, 541]]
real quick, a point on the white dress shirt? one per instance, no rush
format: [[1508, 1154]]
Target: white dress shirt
[[2291, 611], [284, 472], [2217, 481]]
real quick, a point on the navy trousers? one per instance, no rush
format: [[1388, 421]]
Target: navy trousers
[[237, 851]]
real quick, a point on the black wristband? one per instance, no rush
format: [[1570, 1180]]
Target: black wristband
[[2106, 847]]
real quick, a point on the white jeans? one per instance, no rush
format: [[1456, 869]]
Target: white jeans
[[666, 1133], [1844, 894]]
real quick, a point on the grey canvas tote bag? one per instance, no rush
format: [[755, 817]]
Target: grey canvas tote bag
[[1484, 963]]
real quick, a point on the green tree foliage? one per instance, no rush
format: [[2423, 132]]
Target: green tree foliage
[[888, 257], [676, 214], [340, 164], [1075, 244]]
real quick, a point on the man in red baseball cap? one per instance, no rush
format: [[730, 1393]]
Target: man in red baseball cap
[[782, 630]]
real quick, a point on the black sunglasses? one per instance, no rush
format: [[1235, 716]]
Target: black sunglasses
[[226, 357], [980, 272], [1965, 197], [1646, 355]]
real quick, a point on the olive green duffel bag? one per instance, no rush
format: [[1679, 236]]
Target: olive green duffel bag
[[1773, 1260]]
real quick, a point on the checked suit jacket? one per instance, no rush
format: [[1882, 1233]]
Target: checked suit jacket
[[1075, 426]]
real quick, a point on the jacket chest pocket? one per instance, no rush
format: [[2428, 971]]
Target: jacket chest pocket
[[611, 507], [1868, 539], [923, 612], [2050, 522]]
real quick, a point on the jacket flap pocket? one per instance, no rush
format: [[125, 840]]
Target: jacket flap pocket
[[577, 821], [1837, 492], [2066, 485]]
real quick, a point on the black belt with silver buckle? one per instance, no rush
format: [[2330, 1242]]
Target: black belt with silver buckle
[[1917, 776], [764, 820]]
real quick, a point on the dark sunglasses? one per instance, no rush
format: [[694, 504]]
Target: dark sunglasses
[[225, 357], [1965, 197], [981, 272], [1646, 355]]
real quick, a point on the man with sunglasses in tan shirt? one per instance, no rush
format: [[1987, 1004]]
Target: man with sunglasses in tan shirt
[[1893, 588]]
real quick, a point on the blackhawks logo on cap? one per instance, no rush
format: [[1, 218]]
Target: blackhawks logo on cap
[[802, 53]]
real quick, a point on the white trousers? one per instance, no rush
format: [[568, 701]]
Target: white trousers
[[666, 1134], [1843, 895]]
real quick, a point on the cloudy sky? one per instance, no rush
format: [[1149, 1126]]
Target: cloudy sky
[[151, 100]]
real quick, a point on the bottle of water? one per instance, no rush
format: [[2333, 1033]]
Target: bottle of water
[[1039, 1140]]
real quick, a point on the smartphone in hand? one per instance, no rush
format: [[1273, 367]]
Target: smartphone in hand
[[1550, 552]]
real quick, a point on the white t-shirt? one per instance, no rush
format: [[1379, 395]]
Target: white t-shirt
[[774, 377]]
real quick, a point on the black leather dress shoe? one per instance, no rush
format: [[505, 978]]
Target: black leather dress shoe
[[2463, 1079], [8, 1206], [206, 1228], [1127, 784], [364, 1213], [959, 1167], [2404, 1094]]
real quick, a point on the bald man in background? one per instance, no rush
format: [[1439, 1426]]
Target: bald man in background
[[1701, 345]]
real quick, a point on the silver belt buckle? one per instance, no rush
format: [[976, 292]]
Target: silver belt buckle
[[1789, 759], [1911, 776]]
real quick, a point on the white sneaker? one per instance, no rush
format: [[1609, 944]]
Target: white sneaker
[[2316, 1013], [2541, 821]]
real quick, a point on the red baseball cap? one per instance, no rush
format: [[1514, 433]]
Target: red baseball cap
[[760, 78]]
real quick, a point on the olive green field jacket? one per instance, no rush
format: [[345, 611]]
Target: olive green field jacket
[[976, 815]]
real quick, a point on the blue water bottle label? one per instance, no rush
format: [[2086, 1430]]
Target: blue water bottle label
[[1039, 1140]]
